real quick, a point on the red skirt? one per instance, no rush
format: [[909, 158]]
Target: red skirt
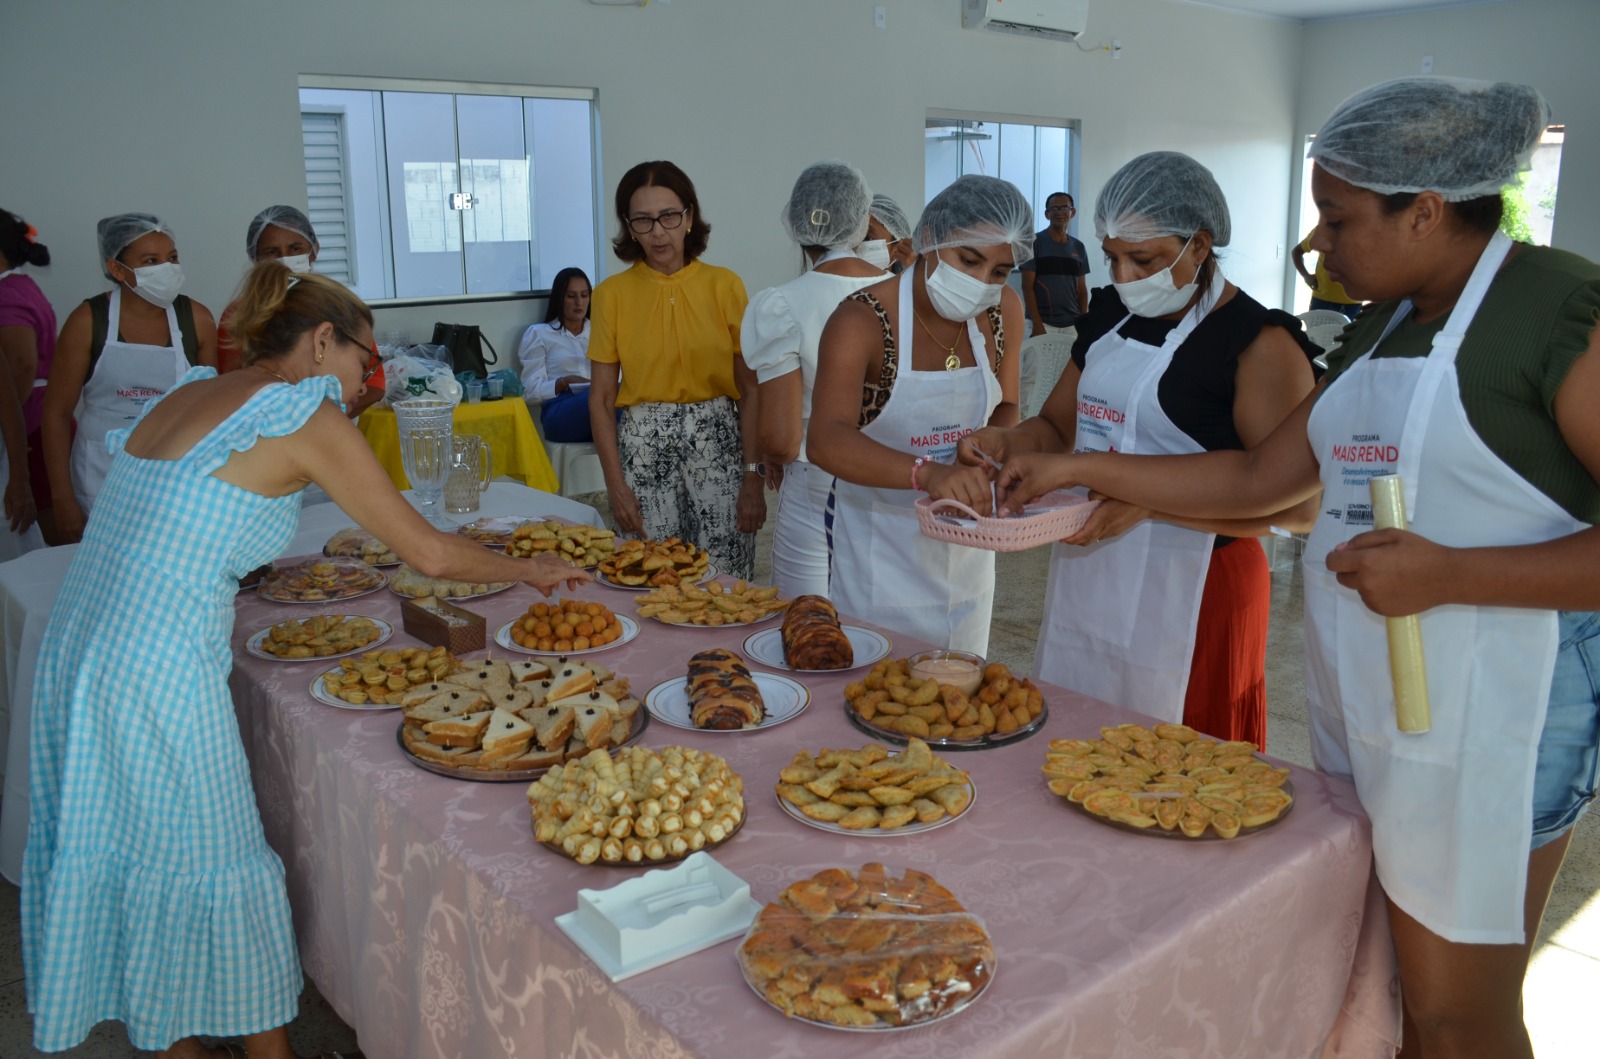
[[1227, 694]]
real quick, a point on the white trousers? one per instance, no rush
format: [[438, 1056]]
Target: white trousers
[[800, 540]]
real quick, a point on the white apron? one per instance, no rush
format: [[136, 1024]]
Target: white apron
[[1120, 616], [883, 569], [127, 376], [1451, 808]]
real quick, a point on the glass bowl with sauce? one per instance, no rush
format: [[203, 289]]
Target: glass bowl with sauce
[[960, 669]]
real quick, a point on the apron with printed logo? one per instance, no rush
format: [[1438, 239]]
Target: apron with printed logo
[[1120, 615], [126, 377], [1451, 808], [883, 569]]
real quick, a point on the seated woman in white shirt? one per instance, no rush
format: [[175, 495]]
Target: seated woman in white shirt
[[554, 360], [827, 215]]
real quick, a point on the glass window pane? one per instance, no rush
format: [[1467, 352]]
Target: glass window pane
[[498, 231], [420, 135], [559, 133], [1016, 157], [352, 229]]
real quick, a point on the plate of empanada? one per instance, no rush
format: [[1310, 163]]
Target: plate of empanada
[[783, 700], [319, 579], [318, 638], [1169, 781], [874, 792]]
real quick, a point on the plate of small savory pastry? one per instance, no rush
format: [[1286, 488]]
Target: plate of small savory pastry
[[499, 721], [319, 579], [1169, 781], [712, 606], [892, 702], [408, 583], [356, 543], [868, 951], [721, 695], [641, 565], [873, 791], [566, 626], [622, 807], [319, 638], [812, 639], [379, 679]]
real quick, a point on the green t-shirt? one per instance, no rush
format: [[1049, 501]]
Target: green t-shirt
[[1534, 323]]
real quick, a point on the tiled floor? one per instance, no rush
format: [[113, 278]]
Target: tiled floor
[[1563, 981]]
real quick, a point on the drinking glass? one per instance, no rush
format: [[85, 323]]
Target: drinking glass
[[425, 436]]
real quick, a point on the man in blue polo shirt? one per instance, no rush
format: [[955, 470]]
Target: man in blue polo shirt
[[1054, 287]]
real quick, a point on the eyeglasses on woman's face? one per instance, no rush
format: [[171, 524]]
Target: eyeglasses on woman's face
[[371, 362], [668, 219]]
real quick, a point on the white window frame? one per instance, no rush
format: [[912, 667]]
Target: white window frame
[[478, 88]]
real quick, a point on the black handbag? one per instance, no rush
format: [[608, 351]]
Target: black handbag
[[465, 343]]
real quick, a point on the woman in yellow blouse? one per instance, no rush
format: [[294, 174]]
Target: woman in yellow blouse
[[680, 459]]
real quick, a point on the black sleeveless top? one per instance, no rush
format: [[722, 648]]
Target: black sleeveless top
[[100, 327], [1196, 392]]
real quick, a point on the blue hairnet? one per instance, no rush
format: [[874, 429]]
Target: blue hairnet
[[1159, 194], [284, 217]]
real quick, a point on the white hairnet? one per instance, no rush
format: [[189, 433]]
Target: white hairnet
[[828, 206], [284, 217], [1159, 194], [117, 233], [891, 216], [1464, 139], [977, 211]]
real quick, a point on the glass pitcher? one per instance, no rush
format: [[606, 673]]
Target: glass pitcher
[[470, 464]]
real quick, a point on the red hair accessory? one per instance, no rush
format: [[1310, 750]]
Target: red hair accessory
[[32, 234]]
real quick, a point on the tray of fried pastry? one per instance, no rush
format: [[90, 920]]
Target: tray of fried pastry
[[868, 950]]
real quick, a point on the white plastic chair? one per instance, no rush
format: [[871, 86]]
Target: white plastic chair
[[1044, 358], [577, 463]]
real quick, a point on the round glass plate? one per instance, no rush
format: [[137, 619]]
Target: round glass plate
[[1209, 835], [988, 742], [320, 692], [502, 636], [289, 583], [956, 1008], [252, 646], [494, 531], [600, 578], [724, 625], [784, 700], [641, 721], [876, 832], [766, 647], [494, 591]]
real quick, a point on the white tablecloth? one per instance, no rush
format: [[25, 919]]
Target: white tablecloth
[[28, 588]]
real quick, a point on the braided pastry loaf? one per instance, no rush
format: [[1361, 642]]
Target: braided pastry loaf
[[812, 638], [722, 694]]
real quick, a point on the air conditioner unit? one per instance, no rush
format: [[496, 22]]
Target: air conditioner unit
[[1044, 19]]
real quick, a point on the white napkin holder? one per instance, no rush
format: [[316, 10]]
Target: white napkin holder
[[660, 916]]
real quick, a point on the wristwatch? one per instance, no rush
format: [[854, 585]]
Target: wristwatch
[[756, 468]]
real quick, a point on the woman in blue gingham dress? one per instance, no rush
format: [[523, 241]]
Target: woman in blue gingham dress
[[149, 894], [144, 837]]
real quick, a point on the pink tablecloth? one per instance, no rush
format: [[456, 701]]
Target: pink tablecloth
[[425, 909]]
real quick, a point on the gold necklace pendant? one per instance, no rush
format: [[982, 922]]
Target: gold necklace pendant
[[952, 362]]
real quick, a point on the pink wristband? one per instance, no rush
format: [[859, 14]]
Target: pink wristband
[[915, 467]]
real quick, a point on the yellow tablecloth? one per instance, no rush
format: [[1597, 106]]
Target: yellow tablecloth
[[504, 426]]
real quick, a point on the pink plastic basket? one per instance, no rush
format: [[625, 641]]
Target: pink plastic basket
[[1045, 521]]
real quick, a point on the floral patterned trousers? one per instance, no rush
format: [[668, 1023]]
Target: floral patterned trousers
[[685, 465]]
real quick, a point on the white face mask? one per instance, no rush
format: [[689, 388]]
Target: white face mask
[[1156, 294], [159, 284], [874, 252], [297, 262], [957, 296]]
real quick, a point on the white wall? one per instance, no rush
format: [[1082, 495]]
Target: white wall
[[188, 108], [1545, 43]]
